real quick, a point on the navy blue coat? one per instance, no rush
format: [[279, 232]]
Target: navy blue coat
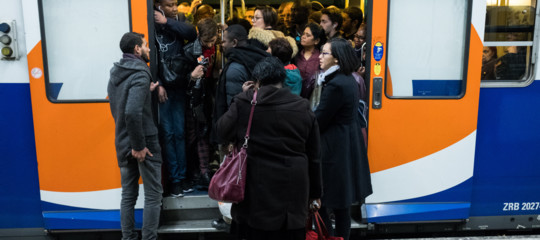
[[345, 167]]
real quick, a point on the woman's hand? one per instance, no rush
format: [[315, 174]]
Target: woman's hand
[[315, 204], [247, 85]]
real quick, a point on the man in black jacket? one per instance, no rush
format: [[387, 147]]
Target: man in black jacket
[[137, 146], [170, 37], [241, 59]]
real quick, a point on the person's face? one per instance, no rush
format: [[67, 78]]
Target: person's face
[[208, 43], [299, 14], [487, 54], [258, 20], [205, 12], [326, 59], [249, 15], [287, 15], [326, 24], [169, 7], [226, 43], [308, 40], [143, 51], [346, 26], [359, 38]]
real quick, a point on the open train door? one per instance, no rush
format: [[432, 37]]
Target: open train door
[[71, 48], [424, 90]]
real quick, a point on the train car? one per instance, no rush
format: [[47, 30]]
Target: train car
[[450, 149]]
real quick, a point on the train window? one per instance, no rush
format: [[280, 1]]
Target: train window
[[80, 44], [427, 43], [508, 43]]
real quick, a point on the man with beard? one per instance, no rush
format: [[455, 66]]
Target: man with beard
[[352, 18], [331, 21], [136, 136]]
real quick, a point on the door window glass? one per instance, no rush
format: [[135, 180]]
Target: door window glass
[[81, 43], [426, 48]]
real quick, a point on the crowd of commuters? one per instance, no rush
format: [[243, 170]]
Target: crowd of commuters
[[307, 147]]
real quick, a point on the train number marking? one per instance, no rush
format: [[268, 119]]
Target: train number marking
[[528, 206], [523, 206]]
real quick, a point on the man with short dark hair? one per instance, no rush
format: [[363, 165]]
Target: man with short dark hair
[[170, 37], [136, 136], [352, 18], [331, 21], [241, 59]]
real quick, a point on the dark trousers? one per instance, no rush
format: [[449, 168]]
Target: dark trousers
[[343, 221]]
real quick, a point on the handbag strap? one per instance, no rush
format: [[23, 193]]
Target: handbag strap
[[321, 227], [253, 103]]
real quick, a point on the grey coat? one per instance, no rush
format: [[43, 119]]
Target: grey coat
[[130, 102]]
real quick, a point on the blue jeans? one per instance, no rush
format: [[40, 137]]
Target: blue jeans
[[172, 122], [150, 171]]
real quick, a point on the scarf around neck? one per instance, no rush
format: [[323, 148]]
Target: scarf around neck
[[322, 75]]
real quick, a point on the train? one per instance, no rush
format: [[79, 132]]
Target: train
[[448, 150]]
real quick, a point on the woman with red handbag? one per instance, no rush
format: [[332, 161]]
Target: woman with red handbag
[[345, 168], [283, 167]]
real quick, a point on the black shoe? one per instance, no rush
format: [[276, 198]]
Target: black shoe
[[176, 190], [204, 181], [187, 187], [220, 224]]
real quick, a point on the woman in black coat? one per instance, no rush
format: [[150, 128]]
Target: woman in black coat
[[283, 166], [345, 168]]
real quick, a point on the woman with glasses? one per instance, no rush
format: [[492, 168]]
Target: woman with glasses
[[345, 168], [265, 17]]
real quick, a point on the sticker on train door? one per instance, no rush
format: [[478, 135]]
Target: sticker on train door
[[377, 69], [378, 51]]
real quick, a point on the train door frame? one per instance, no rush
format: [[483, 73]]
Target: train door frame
[[385, 204], [78, 173]]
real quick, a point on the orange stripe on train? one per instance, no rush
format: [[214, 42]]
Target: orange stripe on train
[[76, 152], [443, 122]]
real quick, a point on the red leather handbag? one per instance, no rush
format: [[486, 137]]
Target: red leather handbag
[[229, 182], [321, 233]]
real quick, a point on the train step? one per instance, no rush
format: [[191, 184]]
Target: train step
[[195, 213]]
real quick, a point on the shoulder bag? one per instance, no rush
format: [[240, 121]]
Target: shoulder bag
[[229, 182]]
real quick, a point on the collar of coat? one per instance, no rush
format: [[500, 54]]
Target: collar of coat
[[269, 95]]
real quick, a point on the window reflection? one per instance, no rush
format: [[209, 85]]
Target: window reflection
[[508, 39]]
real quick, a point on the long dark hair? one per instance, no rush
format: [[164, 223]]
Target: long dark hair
[[343, 51], [318, 33]]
